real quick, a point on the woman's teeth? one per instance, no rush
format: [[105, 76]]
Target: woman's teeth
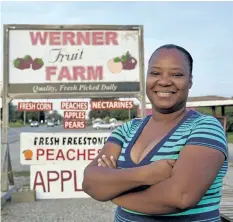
[[164, 94]]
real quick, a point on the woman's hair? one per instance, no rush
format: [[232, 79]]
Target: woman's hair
[[184, 51]]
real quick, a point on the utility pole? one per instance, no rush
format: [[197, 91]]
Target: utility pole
[[24, 117]]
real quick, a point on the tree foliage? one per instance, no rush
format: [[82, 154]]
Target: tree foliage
[[13, 112], [54, 116], [228, 114]]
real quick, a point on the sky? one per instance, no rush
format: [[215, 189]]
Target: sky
[[203, 28]]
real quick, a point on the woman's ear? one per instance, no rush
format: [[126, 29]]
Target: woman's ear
[[190, 82]]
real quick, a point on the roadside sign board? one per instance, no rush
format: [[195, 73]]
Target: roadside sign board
[[54, 181], [73, 60], [57, 161], [59, 148]]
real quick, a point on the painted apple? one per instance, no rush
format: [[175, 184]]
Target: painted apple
[[115, 66]]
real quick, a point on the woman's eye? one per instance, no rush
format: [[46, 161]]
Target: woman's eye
[[155, 73], [177, 74]]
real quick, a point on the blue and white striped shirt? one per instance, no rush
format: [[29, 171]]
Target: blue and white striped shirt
[[194, 129]]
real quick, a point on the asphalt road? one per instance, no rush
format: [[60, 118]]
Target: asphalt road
[[230, 152]]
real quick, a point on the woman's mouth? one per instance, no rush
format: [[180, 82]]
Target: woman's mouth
[[164, 94]]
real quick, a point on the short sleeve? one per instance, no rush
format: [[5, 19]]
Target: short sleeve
[[208, 132], [120, 134]]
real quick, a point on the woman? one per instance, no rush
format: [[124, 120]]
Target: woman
[[171, 164]]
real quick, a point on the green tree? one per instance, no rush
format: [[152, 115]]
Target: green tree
[[34, 116], [55, 115], [98, 114], [228, 114], [14, 115]]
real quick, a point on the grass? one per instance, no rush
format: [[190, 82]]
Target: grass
[[16, 125], [21, 173], [230, 137]]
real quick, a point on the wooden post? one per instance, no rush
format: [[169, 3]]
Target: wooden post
[[214, 110], [223, 110]]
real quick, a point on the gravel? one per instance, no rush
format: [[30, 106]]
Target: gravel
[[78, 210], [57, 210]]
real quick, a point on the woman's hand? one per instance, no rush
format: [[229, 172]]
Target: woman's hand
[[106, 161], [155, 172], [158, 171]]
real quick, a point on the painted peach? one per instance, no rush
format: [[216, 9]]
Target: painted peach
[[114, 67], [28, 154]]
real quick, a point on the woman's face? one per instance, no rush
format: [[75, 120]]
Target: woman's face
[[168, 80]]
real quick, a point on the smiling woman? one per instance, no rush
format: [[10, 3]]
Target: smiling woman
[[171, 164], [170, 78]]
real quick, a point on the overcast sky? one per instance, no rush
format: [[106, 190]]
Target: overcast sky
[[204, 28]]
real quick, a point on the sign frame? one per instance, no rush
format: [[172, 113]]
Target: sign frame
[[139, 93], [7, 97]]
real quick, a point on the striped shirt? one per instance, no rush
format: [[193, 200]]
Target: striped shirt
[[194, 129]]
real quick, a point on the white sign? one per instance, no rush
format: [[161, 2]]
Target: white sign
[[58, 181], [69, 61], [50, 148]]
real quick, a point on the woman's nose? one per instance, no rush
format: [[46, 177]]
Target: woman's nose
[[164, 80]]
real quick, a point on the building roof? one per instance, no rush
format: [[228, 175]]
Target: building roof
[[207, 98], [206, 101]]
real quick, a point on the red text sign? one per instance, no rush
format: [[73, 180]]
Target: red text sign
[[112, 104], [74, 124], [74, 115], [74, 105], [33, 106]]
